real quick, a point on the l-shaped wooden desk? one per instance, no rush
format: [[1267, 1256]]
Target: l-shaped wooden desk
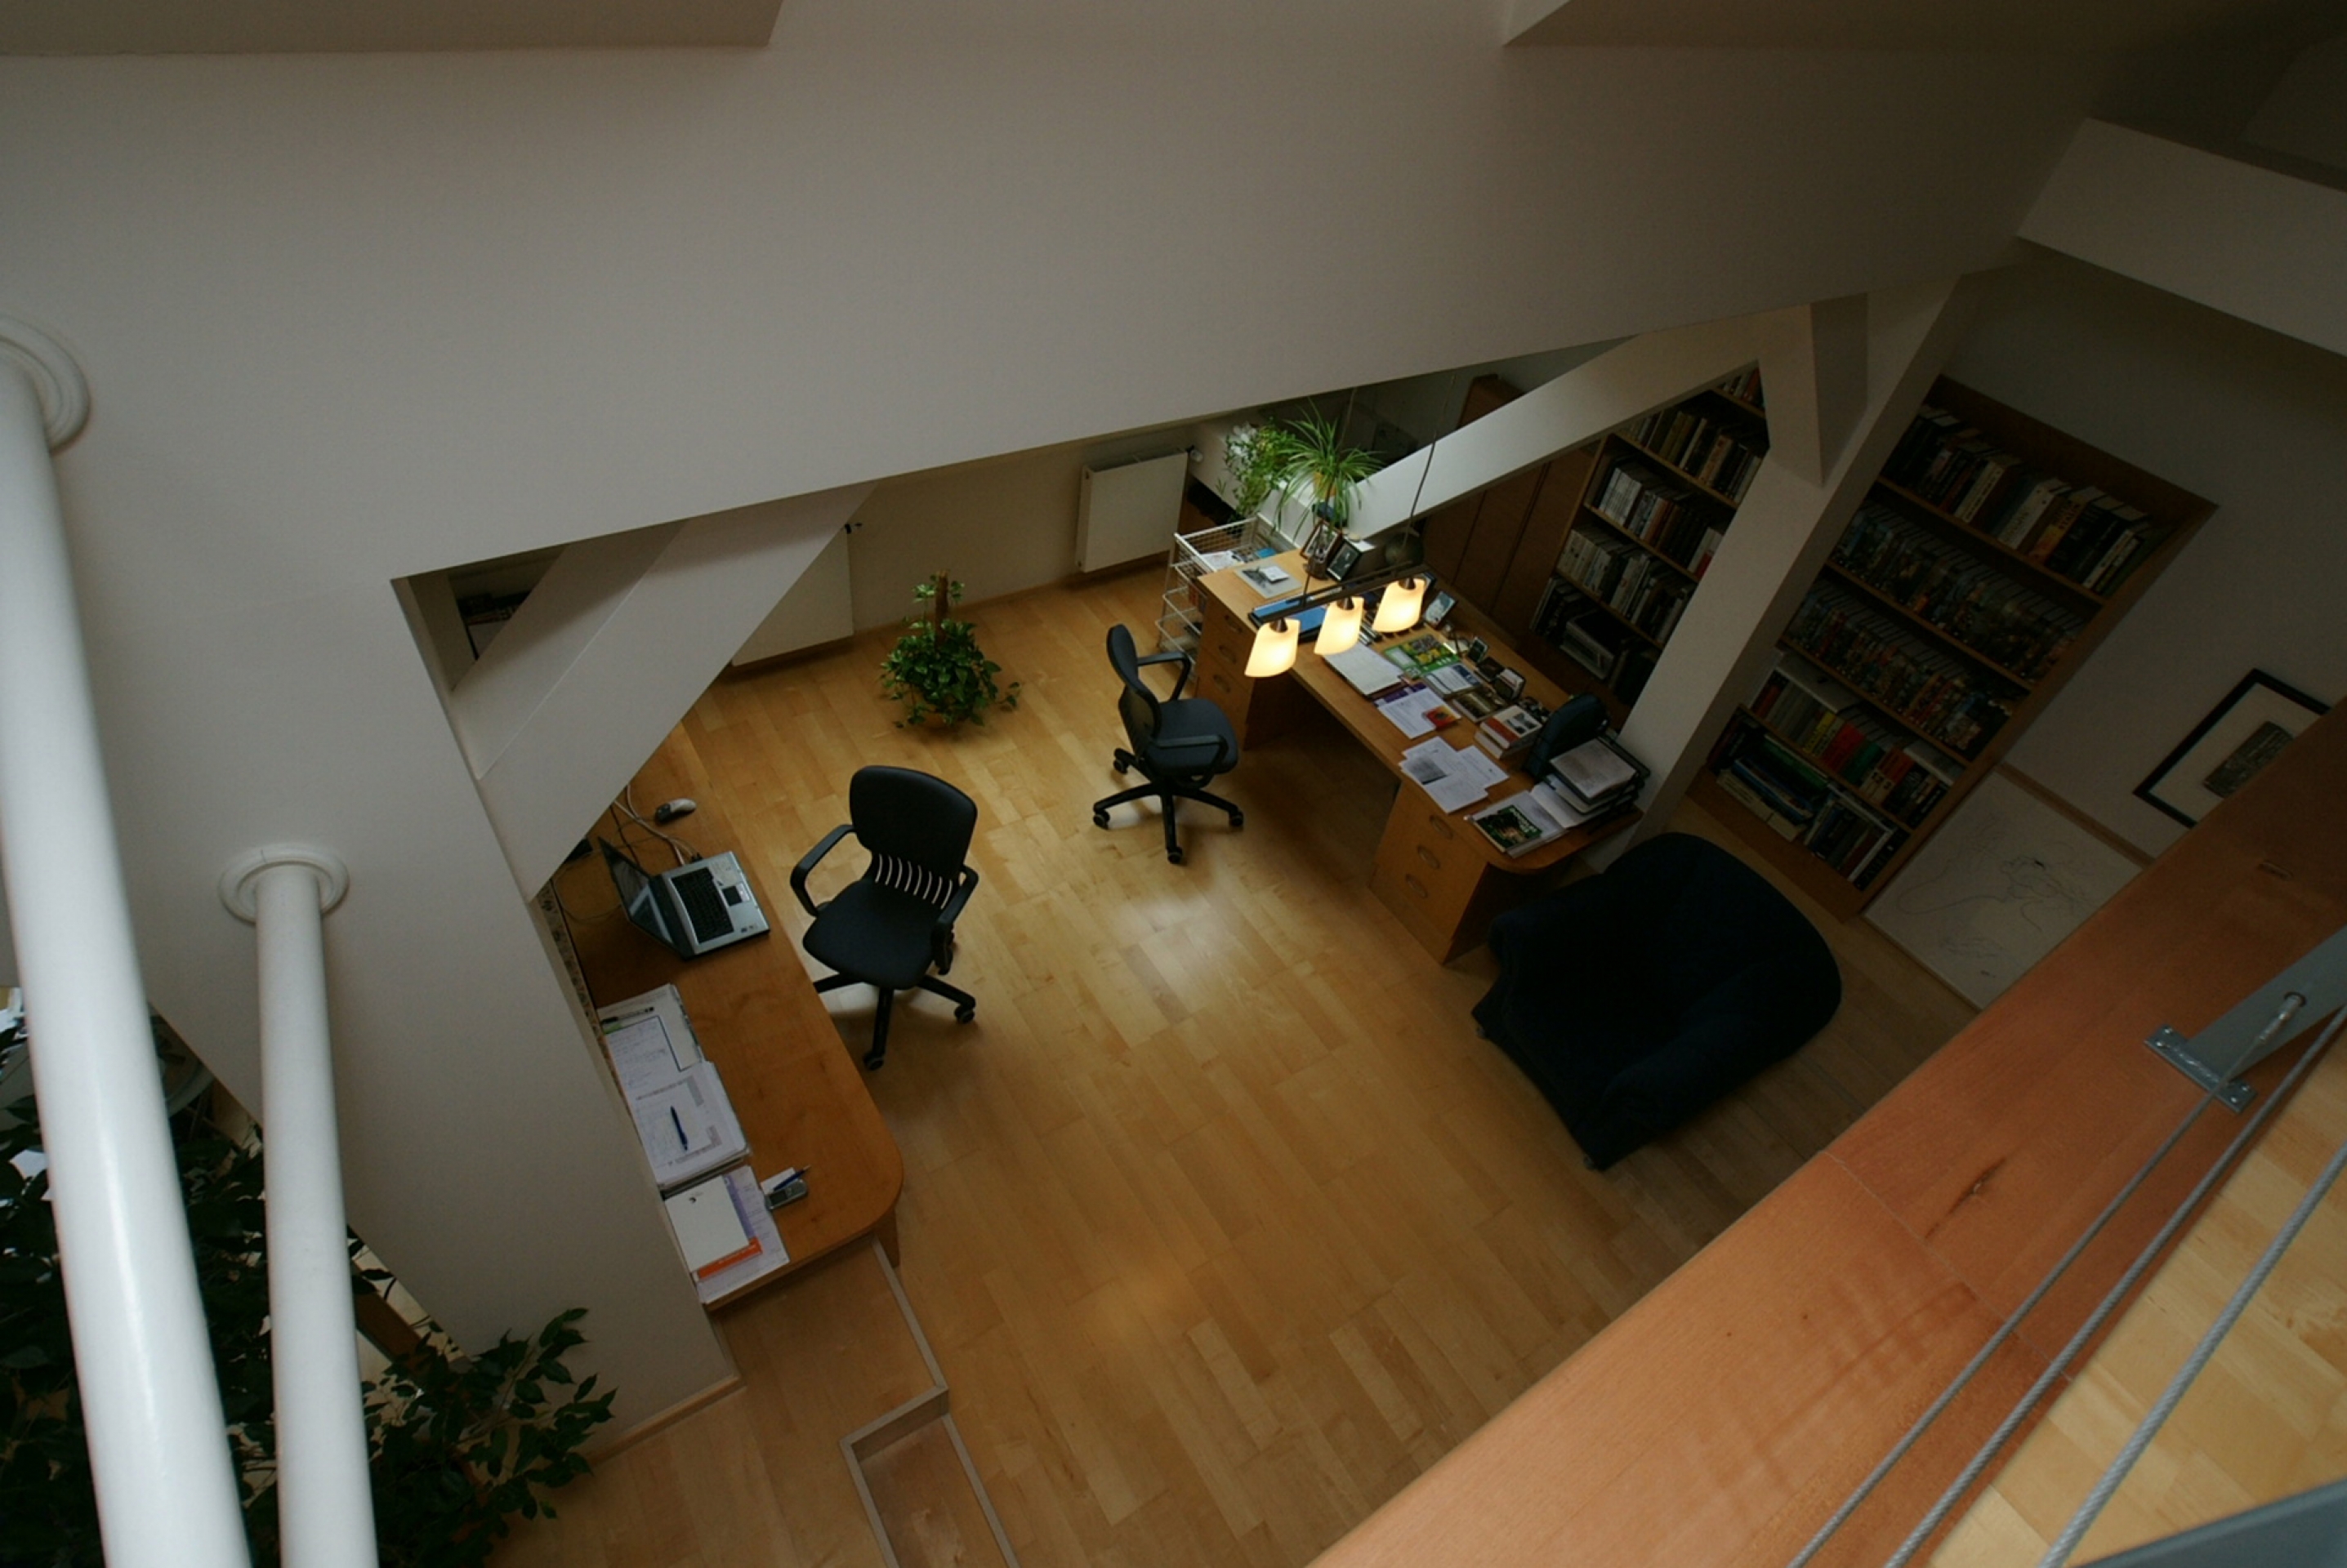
[[1435, 870], [795, 1088]]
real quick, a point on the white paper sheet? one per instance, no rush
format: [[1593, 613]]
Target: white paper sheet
[[1453, 777], [1368, 671]]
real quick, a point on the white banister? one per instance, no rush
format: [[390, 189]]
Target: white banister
[[167, 1489], [325, 1513]]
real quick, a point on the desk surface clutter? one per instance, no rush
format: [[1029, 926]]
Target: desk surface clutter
[[792, 1086], [1441, 873]]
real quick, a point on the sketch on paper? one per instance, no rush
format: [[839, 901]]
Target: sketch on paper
[[1997, 889]]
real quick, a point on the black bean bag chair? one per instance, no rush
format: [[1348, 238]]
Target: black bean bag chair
[[1635, 998]]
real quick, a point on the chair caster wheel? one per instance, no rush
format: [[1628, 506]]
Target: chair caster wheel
[[1120, 767], [872, 1060], [1238, 818], [1175, 856], [1100, 818], [963, 1014]]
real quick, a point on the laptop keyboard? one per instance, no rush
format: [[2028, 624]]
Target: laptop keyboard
[[703, 906]]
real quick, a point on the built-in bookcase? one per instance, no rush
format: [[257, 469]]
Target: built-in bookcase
[[1989, 559], [1661, 494]]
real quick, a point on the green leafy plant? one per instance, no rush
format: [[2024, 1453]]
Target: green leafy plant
[[1306, 454], [936, 668], [458, 1448]]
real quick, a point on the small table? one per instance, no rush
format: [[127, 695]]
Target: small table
[[1435, 870], [795, 1087]]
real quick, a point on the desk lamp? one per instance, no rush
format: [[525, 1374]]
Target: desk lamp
[[1398, 607]]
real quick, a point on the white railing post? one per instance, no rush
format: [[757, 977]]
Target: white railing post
[[324, 1510], [167, 1488]]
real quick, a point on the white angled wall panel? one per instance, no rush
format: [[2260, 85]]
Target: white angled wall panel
[[1127, 512]]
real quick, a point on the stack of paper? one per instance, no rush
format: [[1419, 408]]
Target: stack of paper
[[727, 1236], [678, 1102], [1452, 776], [1362, 665]]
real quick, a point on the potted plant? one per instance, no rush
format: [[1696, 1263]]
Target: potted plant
[[937, 668], [1317, 460]]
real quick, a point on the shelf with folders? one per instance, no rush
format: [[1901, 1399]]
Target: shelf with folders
[[1941, 624], [1661, 494]]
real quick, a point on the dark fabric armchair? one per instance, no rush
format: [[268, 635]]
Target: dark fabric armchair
[[1635, 998]]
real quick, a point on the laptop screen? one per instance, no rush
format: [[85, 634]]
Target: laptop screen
[[637, 897]]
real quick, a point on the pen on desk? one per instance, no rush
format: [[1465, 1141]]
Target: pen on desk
[[680, 1138]]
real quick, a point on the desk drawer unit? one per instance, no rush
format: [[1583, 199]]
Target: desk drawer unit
[[1429, 873]]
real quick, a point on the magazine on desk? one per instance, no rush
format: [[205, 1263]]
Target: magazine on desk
[[1523, 824]]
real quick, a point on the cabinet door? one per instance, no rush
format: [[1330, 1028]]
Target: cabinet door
[[1543, 539], [1499, 527]]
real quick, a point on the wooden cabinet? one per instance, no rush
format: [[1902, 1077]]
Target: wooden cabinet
[[1428, 874], [1257, 709]]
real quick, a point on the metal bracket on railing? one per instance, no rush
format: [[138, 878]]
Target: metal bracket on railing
[[2232, 1093]]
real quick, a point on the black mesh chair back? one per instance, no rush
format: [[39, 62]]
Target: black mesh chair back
[[916, 829], [893, 926], [1136, 704], [1179, 744]]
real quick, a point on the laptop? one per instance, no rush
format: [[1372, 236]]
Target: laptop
[[694, 909]]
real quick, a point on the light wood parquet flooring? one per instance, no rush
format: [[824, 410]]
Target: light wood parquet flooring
[[1222, 1222]]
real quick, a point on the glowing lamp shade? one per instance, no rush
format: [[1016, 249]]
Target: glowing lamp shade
[[1340, 628], [1273, 652], [1398, 610]]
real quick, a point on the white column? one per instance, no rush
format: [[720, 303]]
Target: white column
[[167, 1490], [324, 1505]]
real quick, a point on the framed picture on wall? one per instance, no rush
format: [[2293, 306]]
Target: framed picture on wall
[[2230, 746]]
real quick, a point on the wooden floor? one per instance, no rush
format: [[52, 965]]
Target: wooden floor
[[2267, 1419], [1222, 1221]]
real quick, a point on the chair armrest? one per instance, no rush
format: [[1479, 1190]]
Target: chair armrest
[[1188, 663], [1191, 744], [799, 872], [941, 934]]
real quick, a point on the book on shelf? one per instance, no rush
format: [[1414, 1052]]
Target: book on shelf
[[1720, 454], [1626, 578], [1745, 387], [1922, 688], [1978, 607], [1801, 804], [2078, 531], [1668, 517]]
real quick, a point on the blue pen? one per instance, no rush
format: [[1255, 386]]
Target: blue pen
[[683, 1142]]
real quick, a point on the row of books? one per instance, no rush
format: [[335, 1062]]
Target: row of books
[[1798, 802], [1627, 578], [1647, 506], [1745, 387], [2075, 531], [1721, 454], [1920, 687], [1975, 604], [1821, 720]]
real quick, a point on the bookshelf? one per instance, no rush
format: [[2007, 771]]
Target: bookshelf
[[1987, 561], [1660, 494]]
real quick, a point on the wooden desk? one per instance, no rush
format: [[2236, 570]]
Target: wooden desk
[[1435, 870], [798, 1093]]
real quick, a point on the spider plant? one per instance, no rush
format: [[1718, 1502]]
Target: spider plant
[[1313, 457]]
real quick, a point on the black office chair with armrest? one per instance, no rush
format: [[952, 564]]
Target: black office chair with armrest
[[890, 927], [1179, 743]]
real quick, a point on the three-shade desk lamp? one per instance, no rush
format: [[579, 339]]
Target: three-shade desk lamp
[[1277, 625]]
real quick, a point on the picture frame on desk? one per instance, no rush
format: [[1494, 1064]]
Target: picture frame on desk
[[2225, 750]]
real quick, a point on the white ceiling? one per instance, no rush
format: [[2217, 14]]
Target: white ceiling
[[1992, 26], [346, 26]]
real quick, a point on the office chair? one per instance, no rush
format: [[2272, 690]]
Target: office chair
[[887, 928], [1178, 744]]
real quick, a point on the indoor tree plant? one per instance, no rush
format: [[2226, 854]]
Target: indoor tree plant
[[456, 1446], [1305, 456], [937, 667]]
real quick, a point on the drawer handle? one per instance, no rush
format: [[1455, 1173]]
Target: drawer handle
[[1428, 856], [1414, 885], [1439, 826], [1222, 681]]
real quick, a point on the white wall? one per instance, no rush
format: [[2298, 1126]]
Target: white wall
[[347, 320], [2253, 421]]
